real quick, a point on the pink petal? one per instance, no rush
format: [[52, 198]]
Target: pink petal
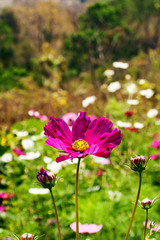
[[65, 157], [58, 129], [86, 228], [80, 126], [97, 128]]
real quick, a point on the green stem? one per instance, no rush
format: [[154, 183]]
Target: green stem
[[57, 220], [145, 226], [76, 198], [135, 206]]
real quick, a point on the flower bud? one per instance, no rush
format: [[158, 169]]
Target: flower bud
[[138, 163], [146, 203], [26, 236], [47, 179]]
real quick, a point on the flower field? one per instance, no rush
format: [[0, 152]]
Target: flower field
[[80, 119], [107, 186]]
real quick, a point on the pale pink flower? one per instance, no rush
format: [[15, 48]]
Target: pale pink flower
[[154, 156], [155, 144], [86, 228], [69, 118], [36, 114], [2, 208]]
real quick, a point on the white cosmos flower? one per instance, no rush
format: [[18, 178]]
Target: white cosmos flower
[[54, 167], [148, 93], [132, 101], [87, 101], [30, 156], [27, 143], [22, 133], [121, 65], [131, 88], [7, 157], [128, 77], [138, 125], [47, 159], [152, 113], [123, 124], [38, 191], [108, 72], [114, 195], [157, 122], [142, 81], [101, 160], [114, 86]]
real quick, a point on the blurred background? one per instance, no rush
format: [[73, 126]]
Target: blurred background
[[53, 54]]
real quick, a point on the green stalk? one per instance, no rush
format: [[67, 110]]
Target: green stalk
[[145, 226], [57, 220], [76, 199], [135, 206]]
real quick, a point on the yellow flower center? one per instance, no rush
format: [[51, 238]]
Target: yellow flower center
[[80, 145]]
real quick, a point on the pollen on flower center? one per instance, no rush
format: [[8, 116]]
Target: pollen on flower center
[[80, 145]]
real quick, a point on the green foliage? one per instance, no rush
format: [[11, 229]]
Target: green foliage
[[101, 16], [10, 78], [6, 42]]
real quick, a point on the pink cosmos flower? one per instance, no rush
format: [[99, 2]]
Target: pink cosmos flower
[[154, 226], [19, 152], [69, 118], [36, 114], [6, 195], [154, 156], [94, 138], [2, 208], [155, 144], [86, 228]]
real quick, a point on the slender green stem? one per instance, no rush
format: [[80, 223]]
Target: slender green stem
[[76, 198], [145, 226], [57, 220], [135, 206]]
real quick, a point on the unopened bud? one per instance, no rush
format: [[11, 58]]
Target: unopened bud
[[26, 236], [47, 179], [138, 163], [146, 203]]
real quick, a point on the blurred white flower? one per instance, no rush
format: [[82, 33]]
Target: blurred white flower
[[114, 86], [87, 101], [132, 101], [38, 191], [152, 113], [114, 195], [36, 137], [22, 133], [121, 65], [123, 124], [54, 167], [142, 81], [47, 159], [93, 189], [128, 77], [157, 122], [30, 156], [33, 113], [131, 88], [148, 93], [138, 125], [108, 72], [7, 157], [27, 144], [101, 160]]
